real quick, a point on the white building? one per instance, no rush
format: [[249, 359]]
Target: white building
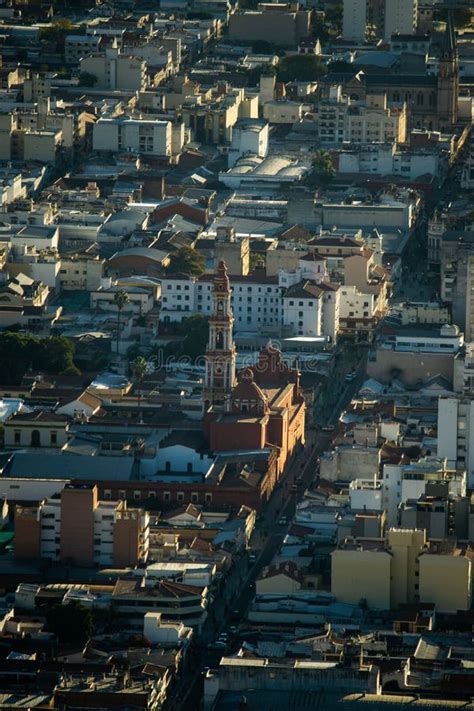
[[339, 120], [282, 111], [148, 136], [161, 633], [310, 304], [251, 171], [406, 482], [249, 136], [355, 305], [106, 514], [456, 433], [448, 340], [400, 17], [354, 20], [366, 494], [256, 302], [384, 159], [140, 300], [300, 299]]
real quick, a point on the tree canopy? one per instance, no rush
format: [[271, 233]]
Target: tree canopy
[[87, 79], [70, 623], [300, 67], [323, 168], [187, 261], [22, 351], [196, 330]]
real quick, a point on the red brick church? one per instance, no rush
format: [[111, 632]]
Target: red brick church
[[264, 406]]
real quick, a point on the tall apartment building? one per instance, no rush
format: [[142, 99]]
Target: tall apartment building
[[149, 136], [379, 18], [339, 120], [212, 117], [354, 20], [457, 277], [115, 71], [78, 528], [400, 17], [284, 23], [456, 433], [303, 301], [402, 569]]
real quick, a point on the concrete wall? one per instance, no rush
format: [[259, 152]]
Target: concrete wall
[[383, 363], [361, 575], [446, 581], [349, 463]]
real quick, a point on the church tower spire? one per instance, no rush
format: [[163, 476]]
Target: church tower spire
[[448, 78], [220, 353]]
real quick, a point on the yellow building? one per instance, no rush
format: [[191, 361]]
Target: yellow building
[[446, 578], [361, 571], [383, 573], [405, 546]]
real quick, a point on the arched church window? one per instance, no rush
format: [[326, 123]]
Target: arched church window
[[219, 339]]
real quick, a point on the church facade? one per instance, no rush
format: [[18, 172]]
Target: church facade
[[265, 408]]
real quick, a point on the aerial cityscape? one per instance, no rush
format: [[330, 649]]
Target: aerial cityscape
[[236, 355]]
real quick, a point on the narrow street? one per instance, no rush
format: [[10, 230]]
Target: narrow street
[[269, 533]]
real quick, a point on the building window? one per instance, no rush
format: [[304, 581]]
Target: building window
[[121, 494], [137, 495], [107, 494], [194, 497], [17, 436], [208, 498], [54, 438], [152, 494], [180, 496], [166, 496]]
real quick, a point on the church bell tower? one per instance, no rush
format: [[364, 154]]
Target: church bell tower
[[220, 353], [448, 78]]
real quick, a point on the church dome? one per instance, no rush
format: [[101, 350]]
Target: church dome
[[247, 396]]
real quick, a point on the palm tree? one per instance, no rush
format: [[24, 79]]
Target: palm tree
[[121, 298], [139, 370]]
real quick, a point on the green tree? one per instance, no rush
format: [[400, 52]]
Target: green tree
[[257, 261], [20, 352], [70, 623], [87, 79], [263, 47], [187, 261], [300, 67], [56, 355], [121, 299], [323, 169], [195, 329], [139, 370], [56, 32], [341, 65], [333, 16]]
